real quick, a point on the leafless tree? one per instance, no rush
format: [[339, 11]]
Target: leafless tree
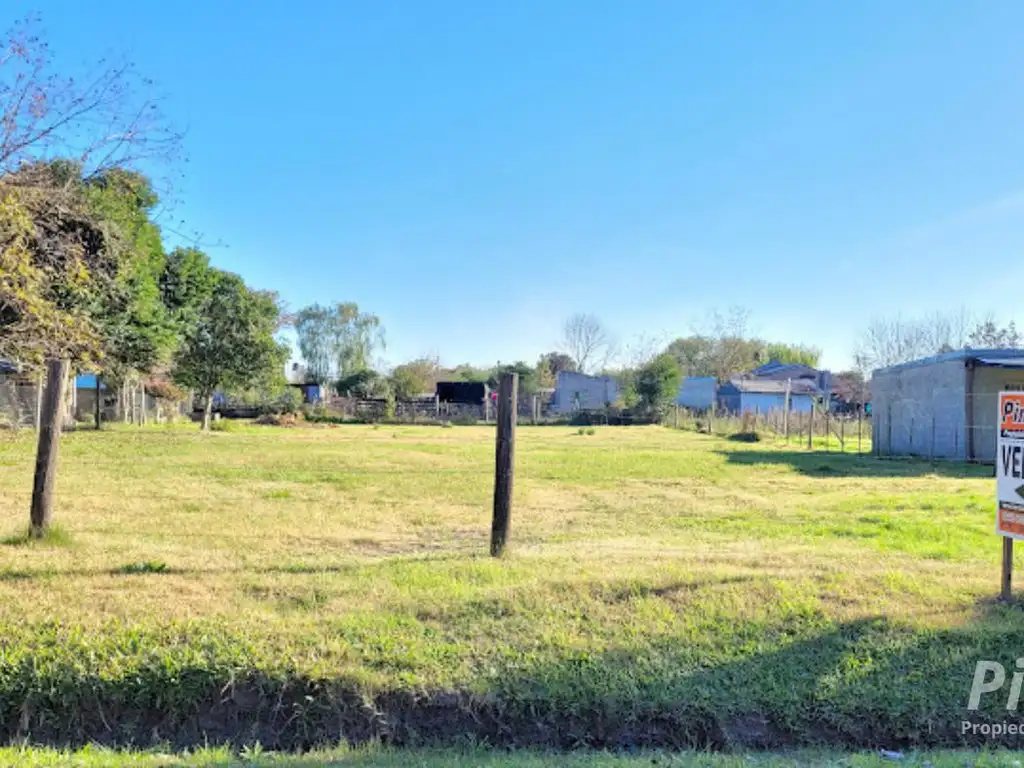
[[892, 340], [587, 341], [108, 118]]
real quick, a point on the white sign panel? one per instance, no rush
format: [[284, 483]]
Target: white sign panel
[[1010, 466]]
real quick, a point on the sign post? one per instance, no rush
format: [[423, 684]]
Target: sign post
[[1010, 480]]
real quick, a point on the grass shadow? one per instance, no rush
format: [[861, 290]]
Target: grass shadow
[[820, 464]]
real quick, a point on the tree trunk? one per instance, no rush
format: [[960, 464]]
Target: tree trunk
[[49, 445], [99, 404], [207, 411]]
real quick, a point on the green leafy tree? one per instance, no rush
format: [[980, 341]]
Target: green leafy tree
[[58, 266], [550, 365], [529, 381], [232, 344], [791, 353], [337, 341], [139, 334], [413, 378], [314, 328], [186, 284], [657, 383]]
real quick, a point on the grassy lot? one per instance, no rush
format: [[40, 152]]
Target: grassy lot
[[471, 758], [302, 586]]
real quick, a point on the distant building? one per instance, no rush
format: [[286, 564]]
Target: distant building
[[298, 378], [943, 406], [763, 395], [773, 370], [697, 392], [462, 392], [580, 392]]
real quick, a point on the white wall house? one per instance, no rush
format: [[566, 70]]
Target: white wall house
[[579, 392]]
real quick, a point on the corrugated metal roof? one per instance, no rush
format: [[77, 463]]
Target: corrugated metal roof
[[772, 386], [959, 354], [1001, 362]]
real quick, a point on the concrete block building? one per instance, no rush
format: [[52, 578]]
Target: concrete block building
[[943, 406]]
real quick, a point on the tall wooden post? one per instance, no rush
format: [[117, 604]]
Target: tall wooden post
[[99, 403], [860, 421], [505, 448], [786, 406], [49, 444], [1006, 591], [39, 399], [810, 427]]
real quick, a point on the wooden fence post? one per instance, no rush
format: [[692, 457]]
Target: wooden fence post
[[1006, 587], [505, 448], [860, 420], [49, 444], [810, 427], [98, 405]]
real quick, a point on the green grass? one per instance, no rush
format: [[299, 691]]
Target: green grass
[[295, 587], [92, 757]]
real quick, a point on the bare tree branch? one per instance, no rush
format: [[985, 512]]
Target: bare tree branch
[[587, 341]]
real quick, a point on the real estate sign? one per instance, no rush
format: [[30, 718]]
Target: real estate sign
[[1010, 466]]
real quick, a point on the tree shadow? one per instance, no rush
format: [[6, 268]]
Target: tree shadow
[[820, 464]]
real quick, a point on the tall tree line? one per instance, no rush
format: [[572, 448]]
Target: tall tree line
[[85, 281]]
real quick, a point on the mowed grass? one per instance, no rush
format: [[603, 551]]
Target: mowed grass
[[663, 588]]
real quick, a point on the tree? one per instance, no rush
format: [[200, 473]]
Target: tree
[[365, 384], [550, 365], [314, 328], [337, 341], [889, 341], [232, 345], [657, 383], [139, 333], [850, 388], [989, 335], [108, 119], [407, 382], [587, 341], [528, 379], [791, 353], [693, 354], [57, 265], [186, 286], [66, 265]]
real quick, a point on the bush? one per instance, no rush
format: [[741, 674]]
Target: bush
[[221, 425], [166, 390]]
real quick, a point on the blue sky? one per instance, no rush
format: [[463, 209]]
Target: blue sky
[[475, 172]]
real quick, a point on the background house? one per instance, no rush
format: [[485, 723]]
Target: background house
[[580, 392], [743, 395], [773, 370]]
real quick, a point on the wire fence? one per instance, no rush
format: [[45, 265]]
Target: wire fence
[[813, 430]]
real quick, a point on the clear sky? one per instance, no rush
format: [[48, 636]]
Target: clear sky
[[473, 172]]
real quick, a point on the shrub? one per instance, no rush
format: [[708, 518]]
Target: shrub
[[166, 390], [222, 425]]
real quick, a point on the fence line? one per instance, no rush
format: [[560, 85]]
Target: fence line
[[811, 430]]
